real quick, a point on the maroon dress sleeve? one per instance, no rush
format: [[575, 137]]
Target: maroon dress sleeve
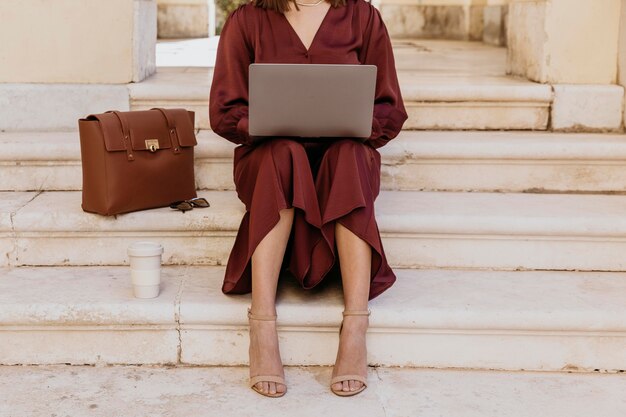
[[228, 98], [389, 111]]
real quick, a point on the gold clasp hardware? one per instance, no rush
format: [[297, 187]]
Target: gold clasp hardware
[[152, 144]]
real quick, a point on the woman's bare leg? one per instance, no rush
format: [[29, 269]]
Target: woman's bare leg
[[355, 261], [266, 262]]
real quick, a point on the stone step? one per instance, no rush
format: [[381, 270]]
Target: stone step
[[425, 160], [391, 392], [515, 320], [433, 101], [445, 85], [419, 229]]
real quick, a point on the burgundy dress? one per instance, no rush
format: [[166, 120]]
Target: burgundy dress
[[325, 182]]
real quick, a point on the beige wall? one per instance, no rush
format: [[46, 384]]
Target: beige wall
[[441, 2], [621, 67], [621, 76], [77, 41], [564, 41], [183, 18], [444, 19]]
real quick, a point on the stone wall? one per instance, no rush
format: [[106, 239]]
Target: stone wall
[[183, 18], [429, 19], [433, 20], [440, 22], [495, 25]]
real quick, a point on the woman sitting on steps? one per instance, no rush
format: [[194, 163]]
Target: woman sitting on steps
[[319, 194]]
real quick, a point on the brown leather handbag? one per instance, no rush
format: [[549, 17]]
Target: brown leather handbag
[[137, 160]]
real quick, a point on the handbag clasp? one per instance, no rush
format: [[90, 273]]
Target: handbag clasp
[[152, 144]]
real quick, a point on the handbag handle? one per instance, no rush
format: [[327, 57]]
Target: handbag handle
[[125, 134], [171, 129]]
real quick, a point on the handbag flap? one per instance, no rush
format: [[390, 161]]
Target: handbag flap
[[147, 125]]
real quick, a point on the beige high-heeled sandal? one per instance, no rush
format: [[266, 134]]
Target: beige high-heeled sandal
[[265, 378], [341, 378]]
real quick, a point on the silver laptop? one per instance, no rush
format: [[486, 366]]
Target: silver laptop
[[311, 100]]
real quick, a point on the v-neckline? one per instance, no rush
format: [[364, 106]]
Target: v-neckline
[[293, 31]]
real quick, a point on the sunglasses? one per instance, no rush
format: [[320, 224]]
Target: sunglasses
[[186, 205]]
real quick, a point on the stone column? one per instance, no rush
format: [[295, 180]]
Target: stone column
[[564, 41], [621, 68], [64, 59], [77, 41], [572, 44]]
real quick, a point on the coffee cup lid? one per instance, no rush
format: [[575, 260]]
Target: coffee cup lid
[[145, 249]]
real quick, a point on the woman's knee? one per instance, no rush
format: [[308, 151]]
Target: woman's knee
[[352, 149], [274, 162], [346, 142], [350, 146], [273, 155], [280, 148]]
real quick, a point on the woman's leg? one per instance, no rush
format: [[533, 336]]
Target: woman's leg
[[355, 264], [266, 262], [347, 184], [272, 178]]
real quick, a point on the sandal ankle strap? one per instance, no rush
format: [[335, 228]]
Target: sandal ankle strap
[[356, 312], [260, 316]]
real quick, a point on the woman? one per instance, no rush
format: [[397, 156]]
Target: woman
[[303, 197]]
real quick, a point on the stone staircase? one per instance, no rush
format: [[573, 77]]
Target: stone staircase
[[437, 102], [474, 95], [419, 230], [508, 245], [503, 161]]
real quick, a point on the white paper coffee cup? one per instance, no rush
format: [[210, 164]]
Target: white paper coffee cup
[[146, 291], [145, 276], [145, 268]]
